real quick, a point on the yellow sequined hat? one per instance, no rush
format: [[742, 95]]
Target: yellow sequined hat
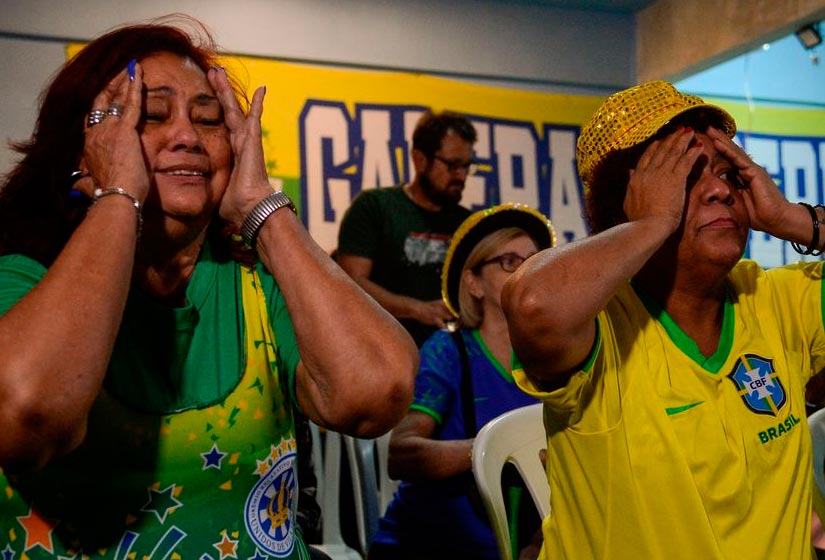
[[633, 115], [476, 227]]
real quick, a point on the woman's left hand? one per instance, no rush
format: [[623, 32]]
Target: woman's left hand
[[248, 182], [335, 377], [767, 206]]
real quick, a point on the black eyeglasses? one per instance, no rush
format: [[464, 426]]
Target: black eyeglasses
[[454, 165], [508, 262]]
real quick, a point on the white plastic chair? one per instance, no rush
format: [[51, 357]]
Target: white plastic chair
[[514, 437], [361, 457], [386, 485], [317, 462], [329, 484], [816, 424]]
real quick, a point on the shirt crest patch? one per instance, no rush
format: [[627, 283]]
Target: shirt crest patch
[[269, 514], [758, 384]]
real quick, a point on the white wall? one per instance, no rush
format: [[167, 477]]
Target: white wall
[[508, 43], [26, 65]]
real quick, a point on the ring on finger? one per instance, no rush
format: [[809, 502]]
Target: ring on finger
[[115, 110], [96, 116]]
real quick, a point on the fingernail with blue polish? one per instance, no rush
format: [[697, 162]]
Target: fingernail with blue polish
[[130, 69]]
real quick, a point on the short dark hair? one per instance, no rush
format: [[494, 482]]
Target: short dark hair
[[604, 200], [432, 127], [37, 211]]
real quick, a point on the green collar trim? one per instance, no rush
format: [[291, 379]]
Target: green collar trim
[[503, 371], [712, 363]]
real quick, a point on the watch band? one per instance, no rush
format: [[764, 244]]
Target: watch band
[[260, 212]]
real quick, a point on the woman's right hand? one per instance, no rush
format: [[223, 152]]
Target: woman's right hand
[[112, 152], [657, 186], [433, 313], [40, 333]]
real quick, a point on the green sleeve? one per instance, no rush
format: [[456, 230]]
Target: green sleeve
[[360, 230], [18, 275]]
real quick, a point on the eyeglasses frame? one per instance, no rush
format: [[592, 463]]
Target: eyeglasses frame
[[452, 166], [500, 260]]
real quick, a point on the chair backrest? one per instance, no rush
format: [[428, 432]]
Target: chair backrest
[[386, 485], [816, 424], [361, 457], [317, 462], [329, 486], [514, 437], [370, 484]]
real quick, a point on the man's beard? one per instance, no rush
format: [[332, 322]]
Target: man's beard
[[444, 198]]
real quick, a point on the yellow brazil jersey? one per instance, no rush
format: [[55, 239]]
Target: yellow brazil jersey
[[655, 451]]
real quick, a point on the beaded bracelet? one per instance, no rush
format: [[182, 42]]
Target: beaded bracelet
[[100, 193], [812, 249], [816, 251]]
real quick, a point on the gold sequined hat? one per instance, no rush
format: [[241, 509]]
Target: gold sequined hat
[[633, 115], [476, 227]]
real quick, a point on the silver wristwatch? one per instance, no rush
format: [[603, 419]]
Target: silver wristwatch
[[258, 215]]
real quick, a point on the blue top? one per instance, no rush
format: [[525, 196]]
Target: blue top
[[436, 515]]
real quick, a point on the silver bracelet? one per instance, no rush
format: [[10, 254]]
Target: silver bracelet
[[260, 212], [100, 193]]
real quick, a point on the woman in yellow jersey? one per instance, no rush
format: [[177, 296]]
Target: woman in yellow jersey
[[148, 380], [673, 373]]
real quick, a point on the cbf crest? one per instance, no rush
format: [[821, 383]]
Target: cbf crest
[[758, 384], [269, 514]]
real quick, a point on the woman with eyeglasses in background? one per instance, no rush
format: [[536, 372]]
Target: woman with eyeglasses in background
[[463, 382]]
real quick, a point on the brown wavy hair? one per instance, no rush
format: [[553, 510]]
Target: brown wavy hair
[[38, 210], [433, 127]]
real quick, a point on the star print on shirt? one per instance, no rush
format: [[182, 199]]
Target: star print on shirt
[[258, 556], [161, 502], [212, 459], [262, 467], [8, 553], [38, 530], [274, 454], [227, 547]]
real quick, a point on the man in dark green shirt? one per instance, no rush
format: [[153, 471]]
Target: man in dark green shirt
[[393, 240]]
